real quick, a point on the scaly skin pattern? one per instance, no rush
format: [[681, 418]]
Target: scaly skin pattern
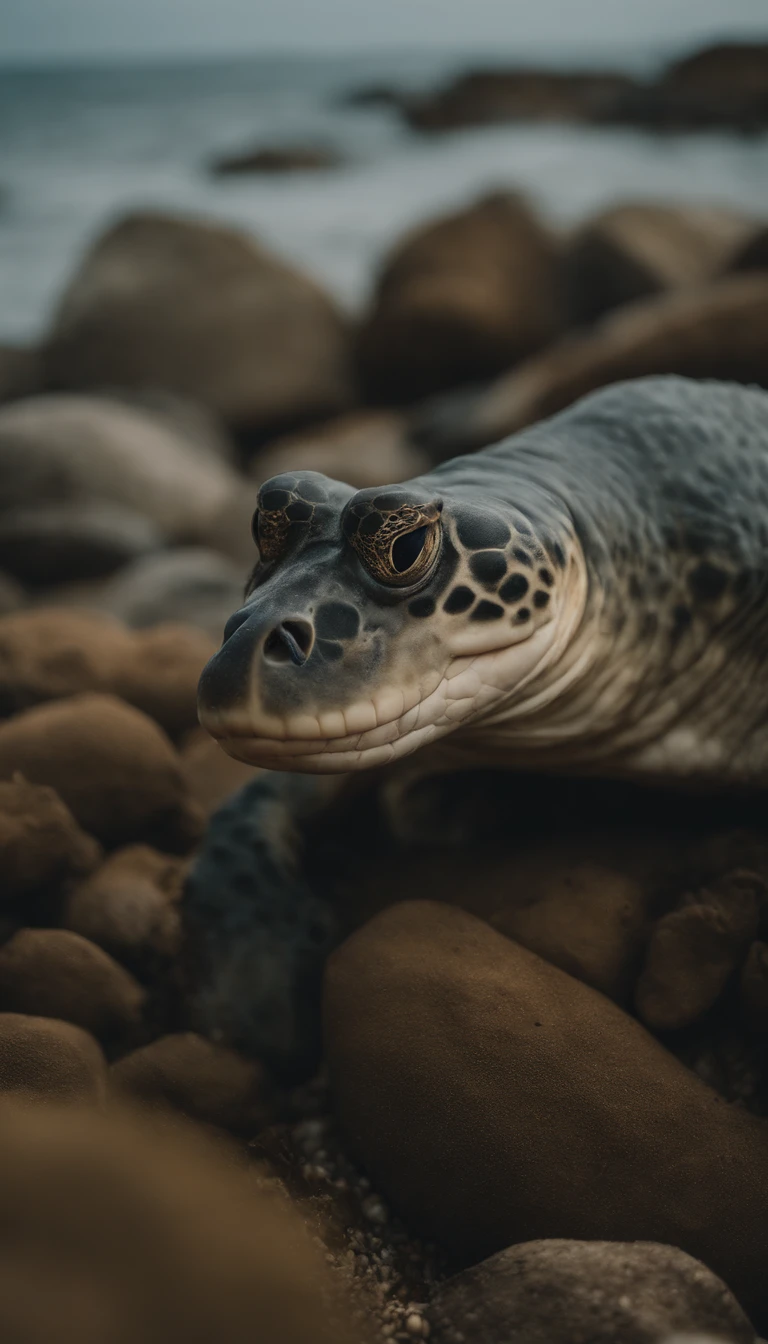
[[590, 595]]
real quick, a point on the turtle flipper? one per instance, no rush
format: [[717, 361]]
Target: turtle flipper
[[256, 935]]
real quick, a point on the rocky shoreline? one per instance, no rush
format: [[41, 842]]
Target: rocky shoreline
[[541, 1111]]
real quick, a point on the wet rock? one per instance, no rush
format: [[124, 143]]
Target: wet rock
[[694, 950], [363, 449], [494, 1099], [192, 585], [64, 542], [459, 300], [555, 1292], [205, 312], [754, 987], [41, 846], [638, 249], [19, 372], [12, 595], [56, 973], [211, 775], [49, 653], [192, 1075], [277, 159], [115, 1230], [716, 332], [128, 907], [49, 1060], [113, 767], [483, 97], [721, 86], [59, 450]]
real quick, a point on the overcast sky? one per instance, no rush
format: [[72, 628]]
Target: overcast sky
[[68, 29]]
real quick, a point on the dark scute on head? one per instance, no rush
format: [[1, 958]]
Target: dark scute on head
[[547, 577], [392, 499], [541, 599], [329, 650], [681, 620], [478, 531], [708, 582], [522, 616], [422, 606], [487, 611], [371, 524], [515, 587], [522, 557], [406, 550], [312, 490], [558, 554], [459, 600], [488, 567], [337, 620], [350, 524], [299, 511], [274, 499]]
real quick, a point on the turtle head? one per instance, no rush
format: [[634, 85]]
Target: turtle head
[[375, 622]]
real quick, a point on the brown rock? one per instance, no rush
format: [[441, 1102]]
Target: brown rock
[[49, 653], [55, 973], [277, 159], [41, 845], [128, 907], [494, 1099], [203, 311], [754, 987], [459, 300], [555, 1292], [211, 775], [753, 254], [48, 1060], [57, 450], [363, 449], [19, 373], [717, 332], [483, 97], [634, 250], [114, 768], [722, 86], [115, 1230], [192, 1075], [694, 950]]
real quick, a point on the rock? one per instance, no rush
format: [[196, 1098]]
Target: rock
[[49, 654], [198, 1078], [363, 449], [753, 253], [211, 775], [372, 95], [112, 766], [56, 973], [189, 584], [716, 332], [41, 846], [48, 1060], [19, 372], [116, 1229], [129, 907], [482, 97], [59, 543], [556, 1292], [493, 1099], [634, 250], [277, 159], [721, 86], [230, 535], [754, 987], [63, 450], [12, 595], [460, 299], [694, 950], [205, 312]]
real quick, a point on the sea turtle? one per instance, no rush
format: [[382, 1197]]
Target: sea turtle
[[589, 596]]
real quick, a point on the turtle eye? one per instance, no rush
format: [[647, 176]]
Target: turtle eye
[[402, 546], [269, 528]]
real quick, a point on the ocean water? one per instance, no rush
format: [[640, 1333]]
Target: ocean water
[[80, 147]]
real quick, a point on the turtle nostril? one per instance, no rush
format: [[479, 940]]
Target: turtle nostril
[[289, 642]]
